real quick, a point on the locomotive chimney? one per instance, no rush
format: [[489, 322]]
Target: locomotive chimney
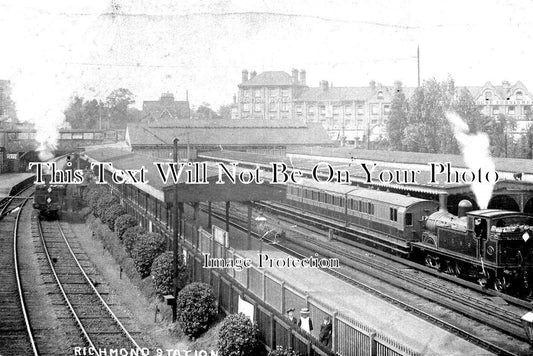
[[443, 202], [464, 207]]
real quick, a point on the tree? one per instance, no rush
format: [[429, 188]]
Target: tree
[[238, 336], [204, 112], [224, 112], [397, 121], [104, 202], [118, 103], [81, 114], [196, 308]]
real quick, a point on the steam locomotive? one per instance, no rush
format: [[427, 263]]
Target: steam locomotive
[[49, 198], [493, 246]]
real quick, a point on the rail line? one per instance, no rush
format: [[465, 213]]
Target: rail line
[[98, 324], [20, 330], [416, 311], [315, 219]]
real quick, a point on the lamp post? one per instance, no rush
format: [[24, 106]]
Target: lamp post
[[175, 235]]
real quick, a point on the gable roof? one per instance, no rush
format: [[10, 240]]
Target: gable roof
[[350, 93], [274, 78], [160, 109]]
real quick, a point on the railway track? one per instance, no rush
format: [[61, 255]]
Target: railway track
[[502, 319], [99, 326], [16, 333]]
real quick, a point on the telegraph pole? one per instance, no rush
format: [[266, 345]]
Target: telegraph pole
[[175, 245], [418, 62]]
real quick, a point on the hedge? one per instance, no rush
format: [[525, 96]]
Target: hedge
[[104, 202], [122, 223], [131, 235], [111, 214]]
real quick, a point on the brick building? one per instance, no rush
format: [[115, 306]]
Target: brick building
[[165, 109]]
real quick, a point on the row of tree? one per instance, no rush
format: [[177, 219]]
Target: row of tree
[[419, 124], [117, 111]]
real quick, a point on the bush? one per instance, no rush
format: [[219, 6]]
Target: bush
[[163, 272], [131, 235], [145, 249], [93, 195], [237, 336], [104, 202], [122, 223], [196, 308], [281, 351], [111, 214]]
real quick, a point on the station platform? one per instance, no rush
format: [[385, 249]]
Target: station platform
[[10, 180], [415, 333]]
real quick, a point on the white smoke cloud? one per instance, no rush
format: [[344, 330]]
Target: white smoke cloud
[[476, 154]]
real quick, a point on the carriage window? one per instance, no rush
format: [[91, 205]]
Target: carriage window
[[408, 219], [342, 202], [393, 214]]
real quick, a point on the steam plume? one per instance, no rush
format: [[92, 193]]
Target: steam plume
[[476, 154]]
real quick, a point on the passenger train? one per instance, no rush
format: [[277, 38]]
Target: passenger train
[[492, 246]]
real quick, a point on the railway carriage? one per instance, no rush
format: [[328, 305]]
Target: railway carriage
[[492, 246], [395, 215]]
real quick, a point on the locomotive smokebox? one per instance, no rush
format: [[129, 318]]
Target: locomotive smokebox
[[464, 207], [443, 202]]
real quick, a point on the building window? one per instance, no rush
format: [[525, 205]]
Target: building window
[[336, 110], [257, 93], [488, 95], [284, 107], [360, 110], [374, 121], [311, 110], [511, 109], [374, 109], [323, 110], [380, 95], [386, 109], [347, 109], [272, 117], [495, 110], [518, 95], [245, 93], [527, 109], [299, 109], [257, 107], [273, 92], [245, 107], [285, 92]]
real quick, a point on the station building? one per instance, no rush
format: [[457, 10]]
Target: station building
[[259, 136]]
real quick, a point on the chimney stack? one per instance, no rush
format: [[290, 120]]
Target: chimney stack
[[244, 75], [372, 84], [294, 76], [253, 74], [506, 84], [324, 85], [443, 202], [302, 77], [398, 86]]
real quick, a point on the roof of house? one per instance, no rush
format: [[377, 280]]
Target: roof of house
[[166, 108], [350, 93], [231, 133], [274, 78]]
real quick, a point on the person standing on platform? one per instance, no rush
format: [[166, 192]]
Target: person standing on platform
[[290, 316], [305, 322], [325, 332]]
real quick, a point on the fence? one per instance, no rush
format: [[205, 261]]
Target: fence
[[271, 297]]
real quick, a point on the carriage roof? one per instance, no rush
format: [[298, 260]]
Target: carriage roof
[[362, 193]]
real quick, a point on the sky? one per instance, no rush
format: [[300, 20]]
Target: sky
[[56, 49]]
